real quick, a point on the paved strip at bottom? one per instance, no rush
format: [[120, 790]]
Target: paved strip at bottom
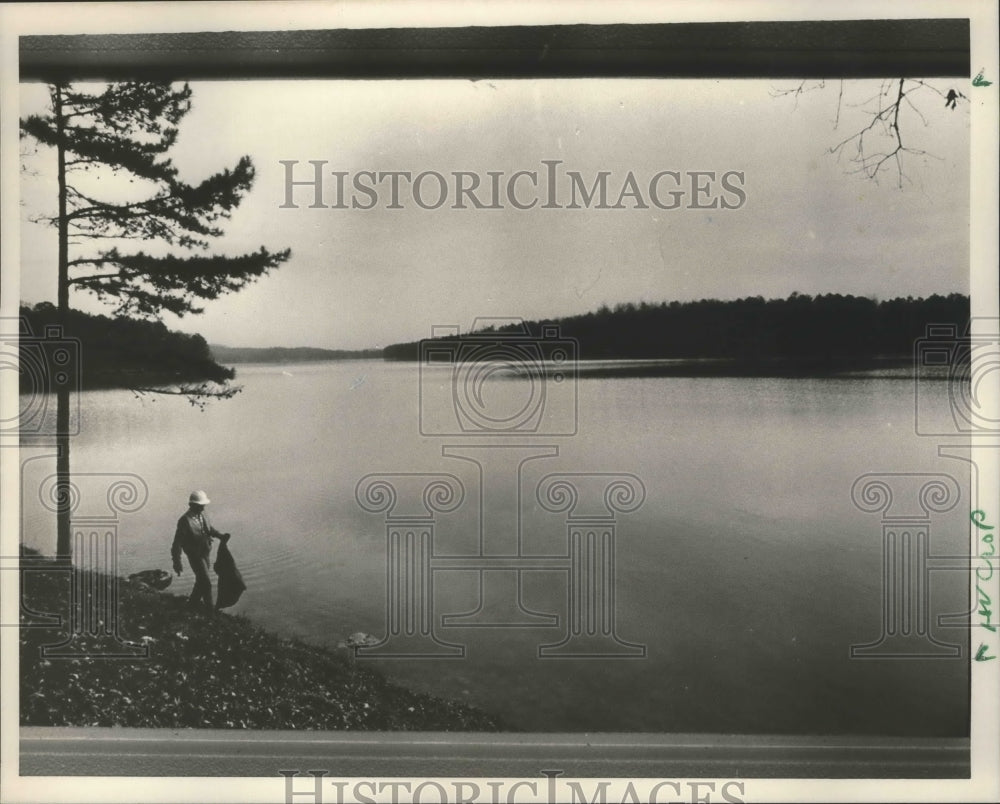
[[166, 752]]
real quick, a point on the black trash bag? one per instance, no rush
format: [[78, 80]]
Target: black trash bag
[[231, 585]]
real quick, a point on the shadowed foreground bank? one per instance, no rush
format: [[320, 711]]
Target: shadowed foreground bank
[[209, 672]]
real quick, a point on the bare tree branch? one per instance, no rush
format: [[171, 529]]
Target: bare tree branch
[[795, 92], [879, 146]]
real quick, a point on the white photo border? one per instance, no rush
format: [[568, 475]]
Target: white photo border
[[176, 17]]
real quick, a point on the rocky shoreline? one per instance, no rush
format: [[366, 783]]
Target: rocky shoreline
[[203, 671]]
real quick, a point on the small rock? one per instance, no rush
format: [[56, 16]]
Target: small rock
[[359, 639], [152, 579]]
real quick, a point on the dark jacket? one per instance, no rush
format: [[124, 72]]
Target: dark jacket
[[231, 584], [192, 538]]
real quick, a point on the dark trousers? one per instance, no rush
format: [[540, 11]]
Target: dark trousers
[[202, 592]]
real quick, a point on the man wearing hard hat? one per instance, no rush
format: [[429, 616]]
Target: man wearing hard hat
[[194, 537]]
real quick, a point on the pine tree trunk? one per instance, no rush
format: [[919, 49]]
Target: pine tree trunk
[[64, 545]]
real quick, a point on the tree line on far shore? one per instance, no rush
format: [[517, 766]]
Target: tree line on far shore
[[829, 327], [284, 354], [126, 352]]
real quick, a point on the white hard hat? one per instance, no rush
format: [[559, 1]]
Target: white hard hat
[[198, 498]]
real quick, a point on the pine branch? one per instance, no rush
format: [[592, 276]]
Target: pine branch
[[83, 280], [175, 282], [198, 394]]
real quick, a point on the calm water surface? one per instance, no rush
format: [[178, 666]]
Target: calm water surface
[[747, 572]]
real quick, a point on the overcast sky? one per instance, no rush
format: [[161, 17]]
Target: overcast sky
[[367, 278]]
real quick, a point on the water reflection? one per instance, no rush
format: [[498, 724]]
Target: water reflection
[[747, 572]]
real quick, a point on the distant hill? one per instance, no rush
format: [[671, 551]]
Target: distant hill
[[281, 354], [113, 352]]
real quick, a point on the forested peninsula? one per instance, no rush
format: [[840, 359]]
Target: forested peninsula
[[105, 352]]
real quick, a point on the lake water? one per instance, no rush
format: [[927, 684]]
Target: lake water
[[747, 572]]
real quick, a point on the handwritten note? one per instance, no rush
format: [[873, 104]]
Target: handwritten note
[[984, 574]]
